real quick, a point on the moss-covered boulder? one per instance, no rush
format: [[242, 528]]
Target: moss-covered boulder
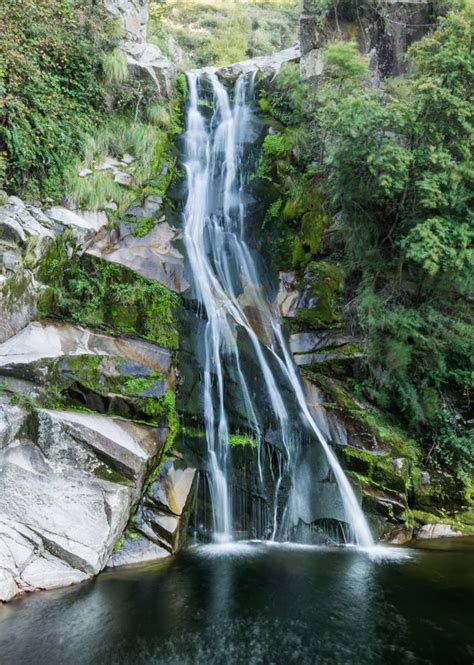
[[322, 285], [93, 292]]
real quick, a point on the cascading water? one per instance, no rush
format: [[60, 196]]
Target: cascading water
[[233, 301]]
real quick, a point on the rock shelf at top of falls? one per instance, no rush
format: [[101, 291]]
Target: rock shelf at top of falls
[[218, 167]]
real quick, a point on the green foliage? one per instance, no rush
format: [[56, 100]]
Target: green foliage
[[394, 167], [94, 292], [344, 62], [114, 66], [213, 32], [51, 53], [274, 145], [242, 440], [287, 95]]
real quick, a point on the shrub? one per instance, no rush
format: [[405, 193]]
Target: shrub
[[50, 81]]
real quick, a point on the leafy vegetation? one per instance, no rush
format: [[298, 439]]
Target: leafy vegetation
[[392, 168], [98, 293], [52, 59], [217, 32]]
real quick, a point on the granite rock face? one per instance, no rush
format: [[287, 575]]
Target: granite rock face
[[68, 482], [148, 59], [142, 58], [25, 233], [153, 256], [133, 15], [269, 65], [43, 340], [160, 520]]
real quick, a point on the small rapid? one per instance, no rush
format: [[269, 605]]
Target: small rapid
[[227, 287]]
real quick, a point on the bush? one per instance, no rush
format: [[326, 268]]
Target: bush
[[51, 53]]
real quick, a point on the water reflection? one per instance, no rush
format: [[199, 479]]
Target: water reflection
[[255, 603]]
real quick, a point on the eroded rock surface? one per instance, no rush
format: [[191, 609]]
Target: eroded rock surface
[[152, 256], [45, 339], [25, 233], [68, 482], [161, 516], [269, 65]]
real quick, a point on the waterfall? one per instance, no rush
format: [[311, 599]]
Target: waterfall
[[233, 301]]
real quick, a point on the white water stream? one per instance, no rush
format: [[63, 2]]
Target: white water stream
[[228, 287]]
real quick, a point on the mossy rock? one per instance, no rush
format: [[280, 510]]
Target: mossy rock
[[324, 281], [94, 292], [417, 518], [389, 436], [377, 469]]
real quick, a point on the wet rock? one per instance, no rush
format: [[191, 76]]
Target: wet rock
[[311, 341], [161, 516], [401, 535], [302, 359], [288, 295], [136, 550], [172, 486], [153, 256]]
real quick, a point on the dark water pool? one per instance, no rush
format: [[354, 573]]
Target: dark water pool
[[256, 604]]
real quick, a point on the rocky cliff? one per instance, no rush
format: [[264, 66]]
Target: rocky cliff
[[383, 30]]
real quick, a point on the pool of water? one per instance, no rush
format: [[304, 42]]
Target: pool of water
[[257, 603]]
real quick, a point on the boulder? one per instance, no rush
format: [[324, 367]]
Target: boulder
[[400, 535], [133, 15], [152, 256], [428, 531], [136, 550], [66, 494], [148, 59], [269, 65]]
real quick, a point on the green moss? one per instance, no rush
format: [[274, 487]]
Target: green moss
[[242, 440], [312, 229], [325, 281], [374, 469], [417, 518], [94, 292], [264, 105], [387, 433]]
